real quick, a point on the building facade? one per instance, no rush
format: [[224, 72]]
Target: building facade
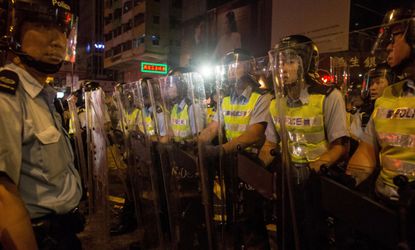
[[138, 31]]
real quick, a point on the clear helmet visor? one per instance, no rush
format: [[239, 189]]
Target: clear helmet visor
[[72, 37], [375, 81], [59, 14], [395, 23], [288, 73], [172, 86], [237, 69], [56, 14]]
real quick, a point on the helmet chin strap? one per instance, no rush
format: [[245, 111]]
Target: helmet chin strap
[[46, 68]]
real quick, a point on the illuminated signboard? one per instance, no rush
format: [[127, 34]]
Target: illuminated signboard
[[155, 68]]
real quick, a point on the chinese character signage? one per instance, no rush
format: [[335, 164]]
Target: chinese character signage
[[155, 68]]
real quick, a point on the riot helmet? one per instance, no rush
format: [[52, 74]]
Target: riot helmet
[[239, 67], [294, 61], [376, 80], [45, 13], [125, 95], [397, 30], [175, 84], [92, 85]]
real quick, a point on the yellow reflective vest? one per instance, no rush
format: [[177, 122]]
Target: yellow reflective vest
[[130, 119], [148, 123], [305, 129], [210, 113], [394, 119], [72, 127], [72, 124], [180, 123], [236, 116]]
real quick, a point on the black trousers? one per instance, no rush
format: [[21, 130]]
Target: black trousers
[[58, 232]]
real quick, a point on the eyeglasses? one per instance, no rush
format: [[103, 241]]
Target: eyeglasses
[[393, 36]]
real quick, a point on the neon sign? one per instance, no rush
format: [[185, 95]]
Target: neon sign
[[155, 68]]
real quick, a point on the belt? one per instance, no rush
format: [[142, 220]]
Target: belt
[[74, 221]]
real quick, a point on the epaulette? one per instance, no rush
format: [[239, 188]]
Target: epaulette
[[9, 81], [320, 89]]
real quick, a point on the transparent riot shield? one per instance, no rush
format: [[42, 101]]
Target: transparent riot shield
[[96, 118], [285, 237], [300, 133], [185, 182], [241, 183], [77, 137], [139, 127]]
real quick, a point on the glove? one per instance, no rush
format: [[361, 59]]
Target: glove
[[338, 174], [211, 151]]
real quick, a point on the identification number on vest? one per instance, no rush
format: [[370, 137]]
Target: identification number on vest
[[399, 113], [235, 113], [300, 121], [179, 121]]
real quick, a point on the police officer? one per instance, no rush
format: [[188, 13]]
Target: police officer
[[375, 82], [39, 185], [315, 120], [146, 122], [312, 108], [244, 109], [186, 118], [389, 135], [80, 111], [128, 121], [244, 116]]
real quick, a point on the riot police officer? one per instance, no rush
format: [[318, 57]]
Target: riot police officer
[[182, 96], [298, 75], [315, 122], [376, 80], [246, 128], [186, 117], [80, 112], [39, 186], [389, 135], [244, 117]]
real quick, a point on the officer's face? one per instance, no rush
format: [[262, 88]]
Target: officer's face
[[45, 43], [237, 70], [289, 67], [172, 91], [377, 86], [398, 49]]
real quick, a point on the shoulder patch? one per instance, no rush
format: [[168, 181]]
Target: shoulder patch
[[9, 81]]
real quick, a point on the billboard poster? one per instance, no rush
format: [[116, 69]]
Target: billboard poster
[[326, 22]]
